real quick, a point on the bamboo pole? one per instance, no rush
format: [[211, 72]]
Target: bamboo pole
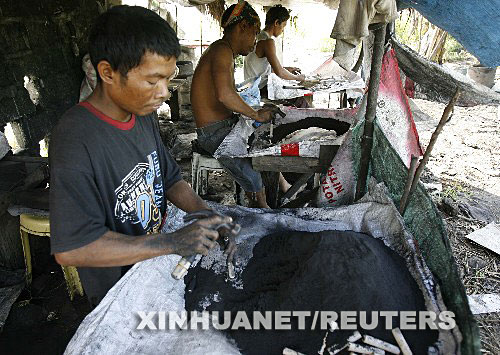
[[371, 109], [409, 180], [444, 118]]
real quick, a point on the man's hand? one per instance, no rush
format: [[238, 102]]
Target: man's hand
[[265, 115], [294, 70], [196, 238], [230, 245], [301, 78], [268, 113]]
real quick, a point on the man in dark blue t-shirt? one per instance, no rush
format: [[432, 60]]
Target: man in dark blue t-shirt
[[110, 172]]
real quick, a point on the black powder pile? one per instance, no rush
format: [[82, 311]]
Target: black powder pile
[[326, 271]]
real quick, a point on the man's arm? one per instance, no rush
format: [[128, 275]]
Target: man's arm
[[184, 197], [116, 249], [269, 49], [221, 69]]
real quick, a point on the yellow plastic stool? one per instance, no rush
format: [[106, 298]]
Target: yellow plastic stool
[[40, 226]]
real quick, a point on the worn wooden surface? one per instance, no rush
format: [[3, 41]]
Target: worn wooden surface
[[286, 164], [297, 185], [270, 166]]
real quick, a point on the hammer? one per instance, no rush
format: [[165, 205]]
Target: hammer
[[276, 110], [183, 266]]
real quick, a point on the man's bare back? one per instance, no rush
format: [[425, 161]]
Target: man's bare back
[[207, 108]]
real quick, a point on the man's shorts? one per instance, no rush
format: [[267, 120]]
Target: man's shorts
[[211, 136]]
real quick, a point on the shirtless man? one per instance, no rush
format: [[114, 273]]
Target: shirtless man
[[215, 101]]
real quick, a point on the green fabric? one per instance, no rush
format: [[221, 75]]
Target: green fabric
[[424, 222]]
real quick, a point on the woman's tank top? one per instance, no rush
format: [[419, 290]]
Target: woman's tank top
[[254, 66]]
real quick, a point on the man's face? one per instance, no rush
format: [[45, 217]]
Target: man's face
[[280, 27], [249, 34], [146, 86]]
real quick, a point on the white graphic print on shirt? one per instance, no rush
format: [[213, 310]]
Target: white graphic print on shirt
[[140, 196]]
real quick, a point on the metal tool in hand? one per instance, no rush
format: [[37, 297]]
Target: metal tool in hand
[[276, 110], [183, 266]]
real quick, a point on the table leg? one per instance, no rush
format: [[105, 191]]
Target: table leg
[[271, 184]]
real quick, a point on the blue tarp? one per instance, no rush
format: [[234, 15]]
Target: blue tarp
[[473, 23]]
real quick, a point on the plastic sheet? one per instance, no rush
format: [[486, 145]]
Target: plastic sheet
[[396, 121]]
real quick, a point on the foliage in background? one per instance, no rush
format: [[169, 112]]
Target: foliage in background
[[415, 31], [455, 52], [454, 189]]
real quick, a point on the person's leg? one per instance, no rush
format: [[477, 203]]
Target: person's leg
[[250, 180], [239, 168], [284, 185], [257, 199]]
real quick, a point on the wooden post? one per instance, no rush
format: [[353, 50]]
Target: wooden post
[[371, 109], [409, 180], [444, 118]]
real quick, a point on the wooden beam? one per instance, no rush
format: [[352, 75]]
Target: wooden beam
[[287, 164], [444, 118], [371, 109], [302, 200], [296, 186]]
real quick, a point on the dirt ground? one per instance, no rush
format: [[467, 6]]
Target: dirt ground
[[464, 170]]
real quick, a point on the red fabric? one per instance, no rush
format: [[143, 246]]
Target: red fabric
[[290, 150], [125, 126], [410, 88], [392, 86]]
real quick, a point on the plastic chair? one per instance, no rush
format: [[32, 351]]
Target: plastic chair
[[40, 226], [201, 165]]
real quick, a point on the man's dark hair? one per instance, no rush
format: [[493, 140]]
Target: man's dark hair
[[249, 15], [277, 12], [123, 34]]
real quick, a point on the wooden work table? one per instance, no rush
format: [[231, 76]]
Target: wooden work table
[[271, 166]]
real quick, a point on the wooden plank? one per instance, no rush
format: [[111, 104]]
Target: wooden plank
[[296, 186], [327, 153], [302, 200], [287, 164], [488, 237]]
